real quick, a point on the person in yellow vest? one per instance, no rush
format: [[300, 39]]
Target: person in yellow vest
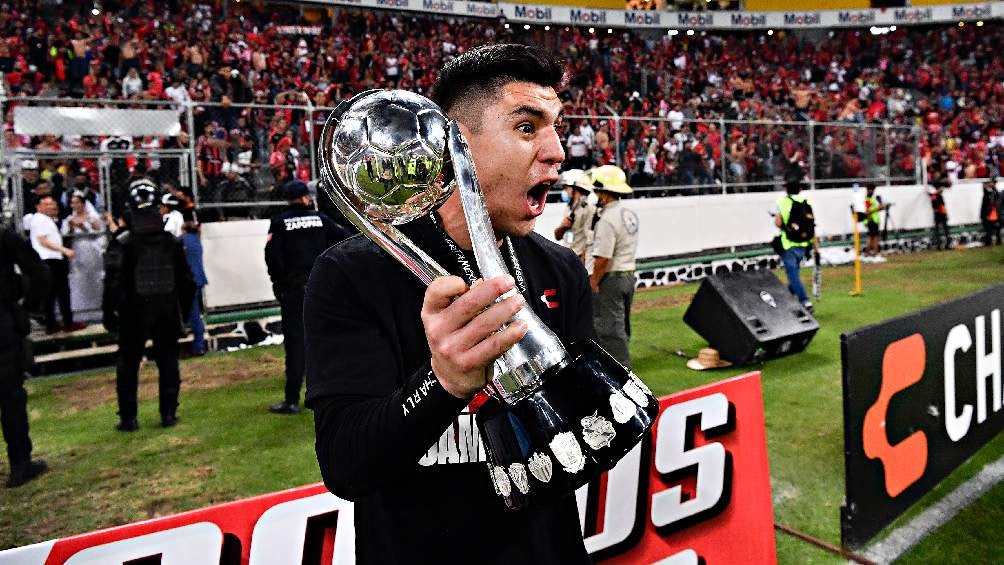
[[578, 221], [797, 223], [873, 218], [615, 241]]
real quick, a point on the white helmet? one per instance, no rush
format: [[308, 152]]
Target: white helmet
[[142, 193], [575, 178]]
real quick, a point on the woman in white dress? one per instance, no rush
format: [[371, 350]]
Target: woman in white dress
[[86, 232]]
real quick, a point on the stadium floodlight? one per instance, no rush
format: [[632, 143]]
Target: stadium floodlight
[[609, 30], [526, 26], [547, 28], [962, 24], [673, 32], [592, 30], [690, 32], [770, 32], [95, 12], [507, 26], [979, 23], [892, 28]]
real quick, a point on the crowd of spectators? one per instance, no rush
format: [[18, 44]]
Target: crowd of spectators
[[945, 82]]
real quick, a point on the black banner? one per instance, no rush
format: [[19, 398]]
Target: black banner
[[921, 394]]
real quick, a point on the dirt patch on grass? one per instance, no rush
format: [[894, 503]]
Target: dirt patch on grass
[[158, 508], [198, 374], [181, 441], [661, 302]]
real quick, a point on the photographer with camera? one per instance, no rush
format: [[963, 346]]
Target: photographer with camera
[[872, 219], [796, 220], [935, 191], [990, 212]]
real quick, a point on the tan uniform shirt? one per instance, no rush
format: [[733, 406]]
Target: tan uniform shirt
[[582, 227], [615, 236]]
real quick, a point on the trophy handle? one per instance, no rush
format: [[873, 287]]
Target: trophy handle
[[388, 237], [523, 366]]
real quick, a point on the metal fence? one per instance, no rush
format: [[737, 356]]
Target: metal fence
[[232, 158], [663, 156]]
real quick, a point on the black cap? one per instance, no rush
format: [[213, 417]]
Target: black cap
[[295, 189]]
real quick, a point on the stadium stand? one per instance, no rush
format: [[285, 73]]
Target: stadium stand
[[944, 80]]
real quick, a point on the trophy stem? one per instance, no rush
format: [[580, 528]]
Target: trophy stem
[[388, 237], [540, 349]]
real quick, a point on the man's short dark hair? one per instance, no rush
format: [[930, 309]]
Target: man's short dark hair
[[474, 80]]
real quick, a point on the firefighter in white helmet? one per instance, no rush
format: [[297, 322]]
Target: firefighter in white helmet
[[578, 221]]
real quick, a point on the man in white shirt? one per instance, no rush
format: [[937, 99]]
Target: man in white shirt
[[578, 150], [173, 220], [48, 243], [675, 117], [179, 93]]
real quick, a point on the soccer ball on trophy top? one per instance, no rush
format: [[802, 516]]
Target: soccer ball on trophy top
[[391, 152]]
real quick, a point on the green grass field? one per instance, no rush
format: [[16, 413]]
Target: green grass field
[[227, 446]]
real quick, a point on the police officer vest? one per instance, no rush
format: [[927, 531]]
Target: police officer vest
[[154, 273]]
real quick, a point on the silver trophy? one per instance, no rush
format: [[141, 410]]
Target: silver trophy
[[559, 416]]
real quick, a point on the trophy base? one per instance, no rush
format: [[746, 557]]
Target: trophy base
[[582, 419]]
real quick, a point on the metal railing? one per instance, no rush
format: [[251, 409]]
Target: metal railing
[[233, 157], [664, 156]]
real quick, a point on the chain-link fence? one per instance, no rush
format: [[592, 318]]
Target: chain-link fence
[[233, 159], [102, 176], [666, 156]]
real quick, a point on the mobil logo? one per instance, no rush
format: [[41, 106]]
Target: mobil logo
[[523, 12], [802, 18], [587, 17], [856, 17], [642, 18], [695, 19]]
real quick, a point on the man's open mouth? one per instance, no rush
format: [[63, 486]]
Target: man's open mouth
[[536, 198]]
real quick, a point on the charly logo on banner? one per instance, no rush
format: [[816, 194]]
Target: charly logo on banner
[[697, 490], [922, 393]]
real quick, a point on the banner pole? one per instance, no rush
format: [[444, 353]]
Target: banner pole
[[857, 254]]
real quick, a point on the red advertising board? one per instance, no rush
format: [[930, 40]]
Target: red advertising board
[[696, 491]]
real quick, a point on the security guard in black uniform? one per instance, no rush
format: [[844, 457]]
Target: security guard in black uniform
[[15, 349], [296, 237], [148, 292]]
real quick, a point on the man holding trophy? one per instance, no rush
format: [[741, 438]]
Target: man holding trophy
[[445, 395]]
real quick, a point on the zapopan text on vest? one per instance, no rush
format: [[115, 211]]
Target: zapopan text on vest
[[303, 222]]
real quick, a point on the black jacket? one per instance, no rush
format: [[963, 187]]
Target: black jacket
[[418, 477], [15, 250], [296, 236], [991, 201]]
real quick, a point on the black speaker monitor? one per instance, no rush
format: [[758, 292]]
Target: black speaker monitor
[[750, 316]]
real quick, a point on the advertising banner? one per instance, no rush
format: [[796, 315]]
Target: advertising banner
[[60, 120], [696, 491], [922, 393], [572, 15]]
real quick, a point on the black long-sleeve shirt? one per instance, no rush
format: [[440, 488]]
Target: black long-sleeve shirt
[[393, 440]]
